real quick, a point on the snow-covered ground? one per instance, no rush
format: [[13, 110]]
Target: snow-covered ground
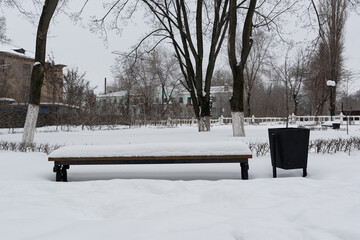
[[206, 201]]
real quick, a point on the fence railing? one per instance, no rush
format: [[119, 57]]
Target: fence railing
[[342, 119]]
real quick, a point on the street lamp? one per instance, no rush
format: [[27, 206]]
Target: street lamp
[[331, 84]]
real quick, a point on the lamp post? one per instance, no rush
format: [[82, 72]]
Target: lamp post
[[331, 84]]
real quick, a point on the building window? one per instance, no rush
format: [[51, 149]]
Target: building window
[[189, 101], [2, 65], [26, 69], [181, 100]]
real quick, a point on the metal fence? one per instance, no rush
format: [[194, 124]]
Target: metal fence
[[15, 118], [304, 120]]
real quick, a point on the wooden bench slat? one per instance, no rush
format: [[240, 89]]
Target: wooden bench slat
[[150, 158]]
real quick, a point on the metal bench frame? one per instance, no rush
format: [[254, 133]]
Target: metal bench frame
[[62, 164]]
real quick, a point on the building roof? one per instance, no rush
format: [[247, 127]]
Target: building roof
[[214, 89], [7, 100], [14, 50], [220, 89], [113, 94]]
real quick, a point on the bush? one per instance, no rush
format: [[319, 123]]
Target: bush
[[317, 146], [257, 148], [22, 147], [334, 145]]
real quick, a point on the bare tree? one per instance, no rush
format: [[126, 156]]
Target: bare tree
[[237, 69], [88, 114], [54, 81], [315, 85], [153, 77], [283, 75], [298, 73], [210, 21], [266, 14], [222, 77], [140, 79], [346, 92], [292, 74], [351, 100], [274, 99], [258, 59], [37, 75], [147, 81], [332, 16], [79, 98], [126, 80], [169, 77], [75, 87], [3, 37], [188, 26]]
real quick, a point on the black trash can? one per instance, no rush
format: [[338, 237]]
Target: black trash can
[[289, 148]]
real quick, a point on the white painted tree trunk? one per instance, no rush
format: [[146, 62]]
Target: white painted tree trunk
[[204, 124], [30, 124], [238, 124]]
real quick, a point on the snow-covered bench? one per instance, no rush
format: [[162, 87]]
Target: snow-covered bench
[[151, 153], [333, 125]]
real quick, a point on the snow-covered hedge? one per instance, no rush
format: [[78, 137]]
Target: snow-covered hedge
[[22, 147], [334, 145], [257, 148], [316, 146]]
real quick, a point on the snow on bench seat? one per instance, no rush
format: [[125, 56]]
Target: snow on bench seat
[[154, 149], [151, 153]]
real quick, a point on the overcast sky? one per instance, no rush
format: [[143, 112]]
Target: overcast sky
[[75, 46]]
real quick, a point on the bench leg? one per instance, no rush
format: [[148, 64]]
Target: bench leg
[[304, 172], [244, 170], [61, 173], [274, 172]]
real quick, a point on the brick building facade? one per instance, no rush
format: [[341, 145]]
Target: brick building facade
[[15, 74]]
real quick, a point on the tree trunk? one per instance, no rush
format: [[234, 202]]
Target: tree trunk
[[204, 114], [248, 97], [237, 103], [238, 124], [204, 124], [237, 99], [296, 104], [37, 75], [189, 47], [30, 123], [128, 117]]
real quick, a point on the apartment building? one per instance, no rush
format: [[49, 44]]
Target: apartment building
[[15, 73]]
